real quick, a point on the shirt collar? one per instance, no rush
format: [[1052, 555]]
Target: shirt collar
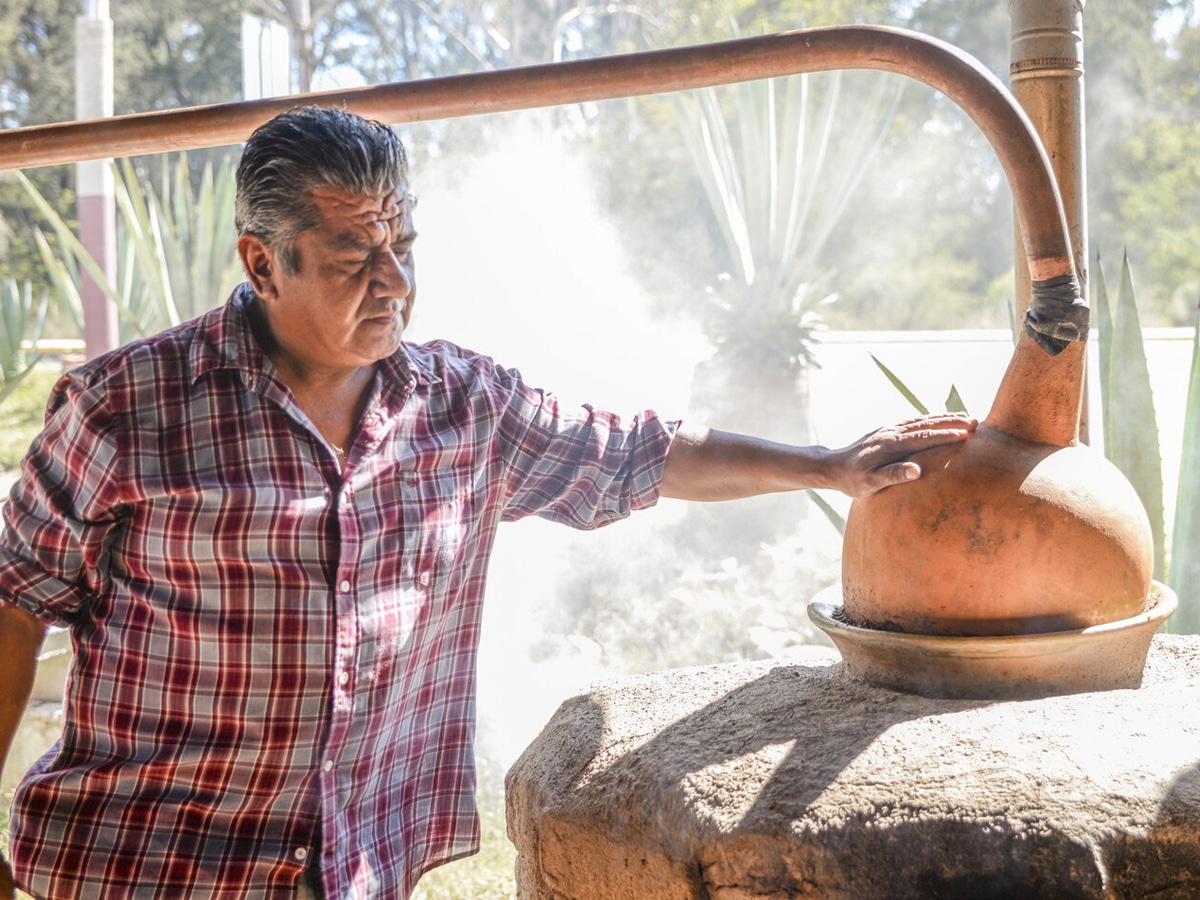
[[224, 340]]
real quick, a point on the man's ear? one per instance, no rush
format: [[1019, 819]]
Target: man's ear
[[260, 263]]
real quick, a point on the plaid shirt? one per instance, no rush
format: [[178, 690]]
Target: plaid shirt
[[262, 643]]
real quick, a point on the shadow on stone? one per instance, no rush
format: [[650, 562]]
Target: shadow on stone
[[1165, 862], [762, 780]]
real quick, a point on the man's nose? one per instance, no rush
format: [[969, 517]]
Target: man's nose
[[392, 276]]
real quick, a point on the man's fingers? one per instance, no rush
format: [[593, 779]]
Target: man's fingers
[[898, 473]]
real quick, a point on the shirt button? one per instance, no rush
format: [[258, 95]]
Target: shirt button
[[344, 677], [344, 587], [301, 854], [328, 767]]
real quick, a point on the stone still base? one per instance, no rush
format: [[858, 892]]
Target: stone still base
[[785, 779]]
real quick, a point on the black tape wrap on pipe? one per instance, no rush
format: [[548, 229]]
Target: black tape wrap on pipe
[[1057, 315]]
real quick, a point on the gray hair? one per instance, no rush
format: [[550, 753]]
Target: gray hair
[[305, 149]]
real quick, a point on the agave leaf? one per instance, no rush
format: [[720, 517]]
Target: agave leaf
[[181, 238], [64, 281], [66, 268], [711, 147], [11, 384], [901, 387], [14, 310], [1132, 435], [205, 274], [13, 319], [1184, 571], [141, 223], [795, 168], [954, 403], [835, 518], [21, 318], [1102, 318]]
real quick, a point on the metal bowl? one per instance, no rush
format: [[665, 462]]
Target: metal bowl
[[1005, 667]]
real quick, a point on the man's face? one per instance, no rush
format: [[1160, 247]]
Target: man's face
[[351, 297]]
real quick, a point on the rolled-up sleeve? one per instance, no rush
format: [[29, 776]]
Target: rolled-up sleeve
[[58, 519], [580, 466]]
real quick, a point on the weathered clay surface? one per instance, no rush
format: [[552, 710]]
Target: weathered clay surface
[[782, 780]]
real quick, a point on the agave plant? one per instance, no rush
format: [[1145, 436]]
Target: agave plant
[[1131, 441], [778, 173], [21, 319], [1129, 420], [176, 248], [1184, 572]]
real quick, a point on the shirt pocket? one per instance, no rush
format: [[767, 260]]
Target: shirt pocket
[[439, 511]]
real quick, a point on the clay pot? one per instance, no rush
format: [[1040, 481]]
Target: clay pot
[[1018, 530], [1001, 536]]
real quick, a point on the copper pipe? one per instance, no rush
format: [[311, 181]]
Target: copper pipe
[[940, 65], [1046, 75]]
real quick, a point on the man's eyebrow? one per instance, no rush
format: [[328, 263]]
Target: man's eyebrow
[[352, 240], [349, 240]]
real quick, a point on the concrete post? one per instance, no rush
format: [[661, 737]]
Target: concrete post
[[94, 180], [301, 26]]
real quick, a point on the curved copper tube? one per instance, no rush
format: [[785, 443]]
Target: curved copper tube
[[938, 64]]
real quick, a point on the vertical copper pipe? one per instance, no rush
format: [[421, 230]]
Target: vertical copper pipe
[[1046, 77]]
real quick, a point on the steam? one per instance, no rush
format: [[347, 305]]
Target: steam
[[516, 261]]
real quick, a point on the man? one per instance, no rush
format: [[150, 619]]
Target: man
[[268, 532]]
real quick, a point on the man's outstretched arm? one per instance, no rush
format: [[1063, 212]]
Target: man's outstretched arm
[[716, 465]]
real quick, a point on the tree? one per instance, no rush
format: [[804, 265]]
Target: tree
[[1143, 133], [168, 54]]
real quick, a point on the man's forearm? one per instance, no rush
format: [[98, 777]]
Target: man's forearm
[[715, 465], [20, 642]]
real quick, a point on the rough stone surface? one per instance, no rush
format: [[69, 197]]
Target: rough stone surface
[[782, 780]]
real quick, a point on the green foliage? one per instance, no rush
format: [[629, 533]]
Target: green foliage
[[19, 257], [37, 48], [176, 53], [21, 416], [176, 248], [21, 319], [1184, 573], [1130, 424], [168, 54], [489, 875], [836, 519], [953, 403], [179, 243], [1131, 442], [900, 386], [1159, 170]]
